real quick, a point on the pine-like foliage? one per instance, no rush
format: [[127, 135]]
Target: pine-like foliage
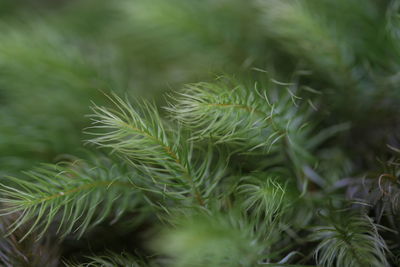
[[79, 194], [167, 169], [165, 157], [288, 158], [351, 240], [231, 114]]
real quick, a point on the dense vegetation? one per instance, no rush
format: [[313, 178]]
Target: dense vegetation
[[200, 133]]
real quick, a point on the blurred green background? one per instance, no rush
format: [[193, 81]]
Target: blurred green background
[[57, 56]]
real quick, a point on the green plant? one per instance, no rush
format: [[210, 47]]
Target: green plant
[[274, 162], [172, 167]]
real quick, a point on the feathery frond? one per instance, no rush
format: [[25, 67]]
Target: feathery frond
[[262, 197], [232, 113], [77, 195], [167, 158], [349, 240], [227, 112]]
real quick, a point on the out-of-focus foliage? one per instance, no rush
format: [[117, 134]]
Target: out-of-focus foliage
[[110, 260], [210, 241], [29, 252], [288, 158]]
